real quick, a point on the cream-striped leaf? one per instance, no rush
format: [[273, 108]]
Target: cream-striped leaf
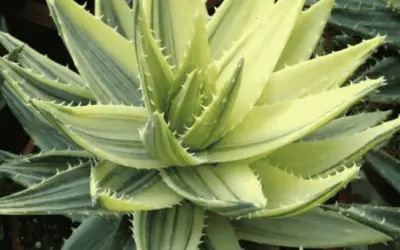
[[259, 134], [121, 189], [108, 131], [217, 187], [179, 227], [113, 78]]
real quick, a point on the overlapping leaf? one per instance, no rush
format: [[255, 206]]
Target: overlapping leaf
[[216, 187], [117, 14], [259, 135], [108, 131], [113, 78], [123, 189], [315, 229], [179, 227]]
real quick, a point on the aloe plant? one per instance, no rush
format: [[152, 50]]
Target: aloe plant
[[181, 128]]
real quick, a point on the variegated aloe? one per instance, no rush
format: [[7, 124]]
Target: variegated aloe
[[191, 128]]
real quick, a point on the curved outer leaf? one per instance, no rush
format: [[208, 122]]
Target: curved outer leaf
[[288, 194], [33, 169], [383, 219], [108, 131], [231, 20], [123, 189], [216, 187], [179, 227], [387, 67], [43, 85], [29, 58], [105, 59], [220, 234], [116, 14], [366, 18], [17, 95], [317, 75], [155, 73], [67, 192], [306, 34], [348, 125], [386, 166], [314, 229], [105, 233], [315, 157], [162, 144], [172, 22], [258, 134], [260, 59]]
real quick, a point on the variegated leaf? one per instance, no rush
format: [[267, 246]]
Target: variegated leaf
[[217, 187], [314, 229], [29, 58], [155, 73], [162, 144], [317, 156], [273, 29], [33, 169], [17, 94], [117, 14], [288, 194], [258, 134], [317, 75], [123, 189], [172, 22], [232, 20], [108, 131], [348, 125], [306, 34], [105, 233], [113, 78], [220, 234], [66, 193], [179, 227]]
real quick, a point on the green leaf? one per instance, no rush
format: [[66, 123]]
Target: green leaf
[[289, 194], [123, 189], [314, 229], [366, 18], [325, 73], [116, 14], [394, 4], [258, 134], [274, 29], [348, 125], [386, 166], [387, 67], [17, 96], [306, 34], [33, 169], [105, 233], [108, 131], [317, 156], [105, 59], [383, 219], [155, 73], [216, 187], [179, 227], [67, 192], [231, 21], [29, 58], [162, 144], [172, 22], [220, 234]]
